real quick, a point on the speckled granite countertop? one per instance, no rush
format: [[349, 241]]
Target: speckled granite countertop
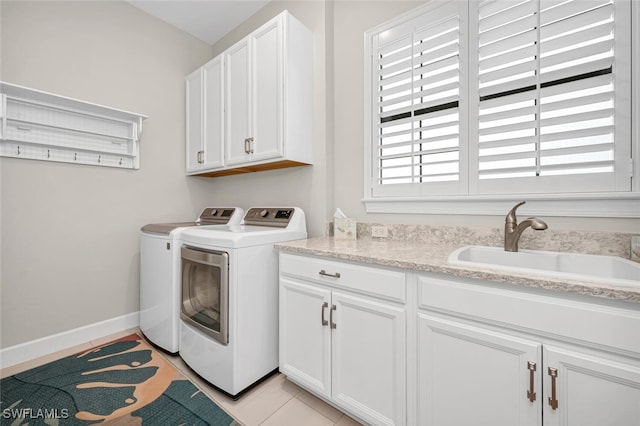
[[421, 257]]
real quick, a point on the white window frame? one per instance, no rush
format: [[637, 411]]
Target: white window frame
[[596, 204]]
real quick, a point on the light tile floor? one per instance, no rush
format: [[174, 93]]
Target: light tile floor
[[274, 402]]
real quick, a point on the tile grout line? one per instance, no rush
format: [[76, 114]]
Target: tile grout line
[[319, 411], [275, 412]]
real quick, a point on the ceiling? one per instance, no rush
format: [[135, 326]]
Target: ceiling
[[207, 20]]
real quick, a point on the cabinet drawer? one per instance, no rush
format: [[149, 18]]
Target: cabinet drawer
[[368, 280]]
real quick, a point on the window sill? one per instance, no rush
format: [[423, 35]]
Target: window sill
[[612, 205]]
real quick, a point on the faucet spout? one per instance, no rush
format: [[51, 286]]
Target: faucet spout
[[513, 230]]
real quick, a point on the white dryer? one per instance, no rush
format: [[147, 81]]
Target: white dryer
[[160, 274], [229, 302]]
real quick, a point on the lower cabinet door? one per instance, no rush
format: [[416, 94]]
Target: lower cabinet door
[[585, 390], [468, 375], [369, 358], [305, 336]]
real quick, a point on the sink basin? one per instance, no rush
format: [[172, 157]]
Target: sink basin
[[574, 266]]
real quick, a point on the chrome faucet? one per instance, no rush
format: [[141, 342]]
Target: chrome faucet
[[513, 229]]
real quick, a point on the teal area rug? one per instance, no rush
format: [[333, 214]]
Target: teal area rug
[[125, 382]]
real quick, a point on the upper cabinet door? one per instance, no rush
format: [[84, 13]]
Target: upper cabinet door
[[267, 90], [193, 89], [238, 90], [213, 112]]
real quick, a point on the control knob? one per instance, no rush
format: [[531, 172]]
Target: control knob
[[264, 213]]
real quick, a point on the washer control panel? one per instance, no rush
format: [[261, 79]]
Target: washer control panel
[[269, 216], [216, 215]]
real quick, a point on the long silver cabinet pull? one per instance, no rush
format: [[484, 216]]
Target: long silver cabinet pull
[[530, 393], [326, 274], [333, 324], [553, 401], [325, 305], [200, 160]]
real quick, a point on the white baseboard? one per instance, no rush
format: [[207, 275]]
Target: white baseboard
[[47, 345]]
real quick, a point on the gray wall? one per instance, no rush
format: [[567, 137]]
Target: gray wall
[[69, 233]]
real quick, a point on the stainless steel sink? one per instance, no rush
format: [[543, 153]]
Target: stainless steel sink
[[574, 266]]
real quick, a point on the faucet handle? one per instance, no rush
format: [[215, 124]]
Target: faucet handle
[[511, 216]]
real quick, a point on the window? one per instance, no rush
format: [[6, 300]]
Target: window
[[492, 100], [421, 91]]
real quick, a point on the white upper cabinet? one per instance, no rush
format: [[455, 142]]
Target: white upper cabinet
[[266, 118], [255, 95], [194, 110], [237, 103], [205, 108]]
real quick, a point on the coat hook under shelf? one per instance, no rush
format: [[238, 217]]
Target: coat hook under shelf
[[18, 149]]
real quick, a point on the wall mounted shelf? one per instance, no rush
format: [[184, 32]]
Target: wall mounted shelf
[[38, 125]]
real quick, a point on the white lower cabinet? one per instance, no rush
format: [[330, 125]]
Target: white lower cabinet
[[305, 341], [392, 348], [368, 358], [590, 390], [471, 376], [346, 347], [483, 359]]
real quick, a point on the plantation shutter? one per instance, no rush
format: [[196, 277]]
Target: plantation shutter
[[552, 88], [418, 84]]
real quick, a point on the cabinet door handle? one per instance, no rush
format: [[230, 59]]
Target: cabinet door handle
[[325, 305], [250, 145], [333, 324], [247, 146], [326, 274], [553, 401], [200, 160], [530, 393]]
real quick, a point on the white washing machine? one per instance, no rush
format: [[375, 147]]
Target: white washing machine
[[229, 302], [160, 274]]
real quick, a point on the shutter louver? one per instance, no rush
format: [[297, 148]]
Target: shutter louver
[[547, 107], [418, 96]]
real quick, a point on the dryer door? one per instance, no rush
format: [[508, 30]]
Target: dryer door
[[205, 291]]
